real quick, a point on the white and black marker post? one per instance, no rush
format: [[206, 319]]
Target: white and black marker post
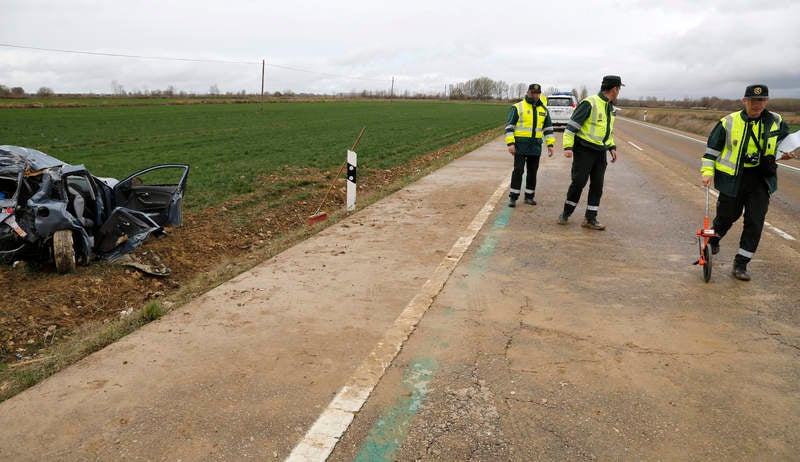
[[352, 173], [352, 170]]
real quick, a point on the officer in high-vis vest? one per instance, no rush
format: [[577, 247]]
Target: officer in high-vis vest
[[587, 137], [740, 157], [528, 122]]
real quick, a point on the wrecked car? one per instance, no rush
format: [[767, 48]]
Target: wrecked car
[[60, 213]]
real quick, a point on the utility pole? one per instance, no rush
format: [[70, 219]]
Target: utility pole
[[262, 85]]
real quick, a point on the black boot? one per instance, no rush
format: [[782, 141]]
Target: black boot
[[740, 271], [714, 244]]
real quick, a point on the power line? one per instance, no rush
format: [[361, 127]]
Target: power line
[[163, 58], [325, 73], [128, 56]]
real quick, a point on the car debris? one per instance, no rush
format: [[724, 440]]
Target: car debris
[[56, 212]]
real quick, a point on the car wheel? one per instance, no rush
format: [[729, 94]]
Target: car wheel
[[64, 251]]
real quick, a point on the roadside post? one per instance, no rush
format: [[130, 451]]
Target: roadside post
[[352, 162]]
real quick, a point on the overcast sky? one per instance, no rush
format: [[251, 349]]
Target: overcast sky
[[667, 49]]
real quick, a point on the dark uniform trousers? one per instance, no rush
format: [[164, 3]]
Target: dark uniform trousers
[[753, 198], [587, 164], [520, 161]]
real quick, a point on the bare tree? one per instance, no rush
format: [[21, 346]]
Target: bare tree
[[519, 90], [117, 89], [45, 92], [501, 90], [17, 92], [584, 92]]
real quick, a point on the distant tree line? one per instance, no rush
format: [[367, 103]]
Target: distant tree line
[[484, 88], [481, 88]]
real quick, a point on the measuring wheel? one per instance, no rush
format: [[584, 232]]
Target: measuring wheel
[[707, 264]]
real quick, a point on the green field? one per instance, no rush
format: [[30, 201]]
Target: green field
[[231, 146]]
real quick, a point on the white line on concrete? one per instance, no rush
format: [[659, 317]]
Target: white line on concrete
[[777, 230], [634, 145], [319, 441]]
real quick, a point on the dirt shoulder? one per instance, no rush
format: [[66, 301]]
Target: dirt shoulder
[[49, 320], [242, 370]]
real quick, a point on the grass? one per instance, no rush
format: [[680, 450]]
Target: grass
[[699, 122], [231, 147], [232, 150], [95, 336]]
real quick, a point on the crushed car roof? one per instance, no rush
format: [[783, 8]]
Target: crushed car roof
[[16, 158]]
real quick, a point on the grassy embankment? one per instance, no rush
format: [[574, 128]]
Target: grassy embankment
[[697, 121], [231, 148]]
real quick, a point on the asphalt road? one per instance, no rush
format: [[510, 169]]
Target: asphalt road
[[515, 338]]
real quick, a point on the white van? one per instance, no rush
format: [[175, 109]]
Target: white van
[[561, 105]]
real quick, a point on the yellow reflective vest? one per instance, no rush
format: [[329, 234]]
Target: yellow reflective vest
[[525, 123], [726, 164], [735, 126], [595, 127]]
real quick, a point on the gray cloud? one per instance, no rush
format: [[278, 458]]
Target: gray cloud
[[664, 49]]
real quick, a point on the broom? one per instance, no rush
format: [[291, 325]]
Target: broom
[[322, 216]]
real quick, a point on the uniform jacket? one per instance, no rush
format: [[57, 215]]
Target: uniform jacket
[[738, 144], [526, 132]]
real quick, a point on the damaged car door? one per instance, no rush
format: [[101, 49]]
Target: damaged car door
[[157, 191]]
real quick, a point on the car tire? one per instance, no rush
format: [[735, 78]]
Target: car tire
[[64, 251]]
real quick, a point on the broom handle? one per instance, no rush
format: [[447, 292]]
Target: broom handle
[[358, 139], [331, 187]]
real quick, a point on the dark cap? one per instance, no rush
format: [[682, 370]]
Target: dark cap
[[611, 81], [535, 87], [756, 91]]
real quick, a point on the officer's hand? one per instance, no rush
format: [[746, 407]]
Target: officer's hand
[[549, 151], [512, 149], [567, 153], [706, 180], [613, 155]]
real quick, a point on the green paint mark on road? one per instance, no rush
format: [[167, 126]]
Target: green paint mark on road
[[481, 259], [388, 432]]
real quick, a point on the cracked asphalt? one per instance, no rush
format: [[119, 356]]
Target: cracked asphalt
[[546, 342], [560, 343]]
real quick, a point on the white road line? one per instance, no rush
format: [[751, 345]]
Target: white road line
[[321, 438], [787, 167], [634, 145], [769, 225], [665, 131], [775, 229], [780, 232]]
